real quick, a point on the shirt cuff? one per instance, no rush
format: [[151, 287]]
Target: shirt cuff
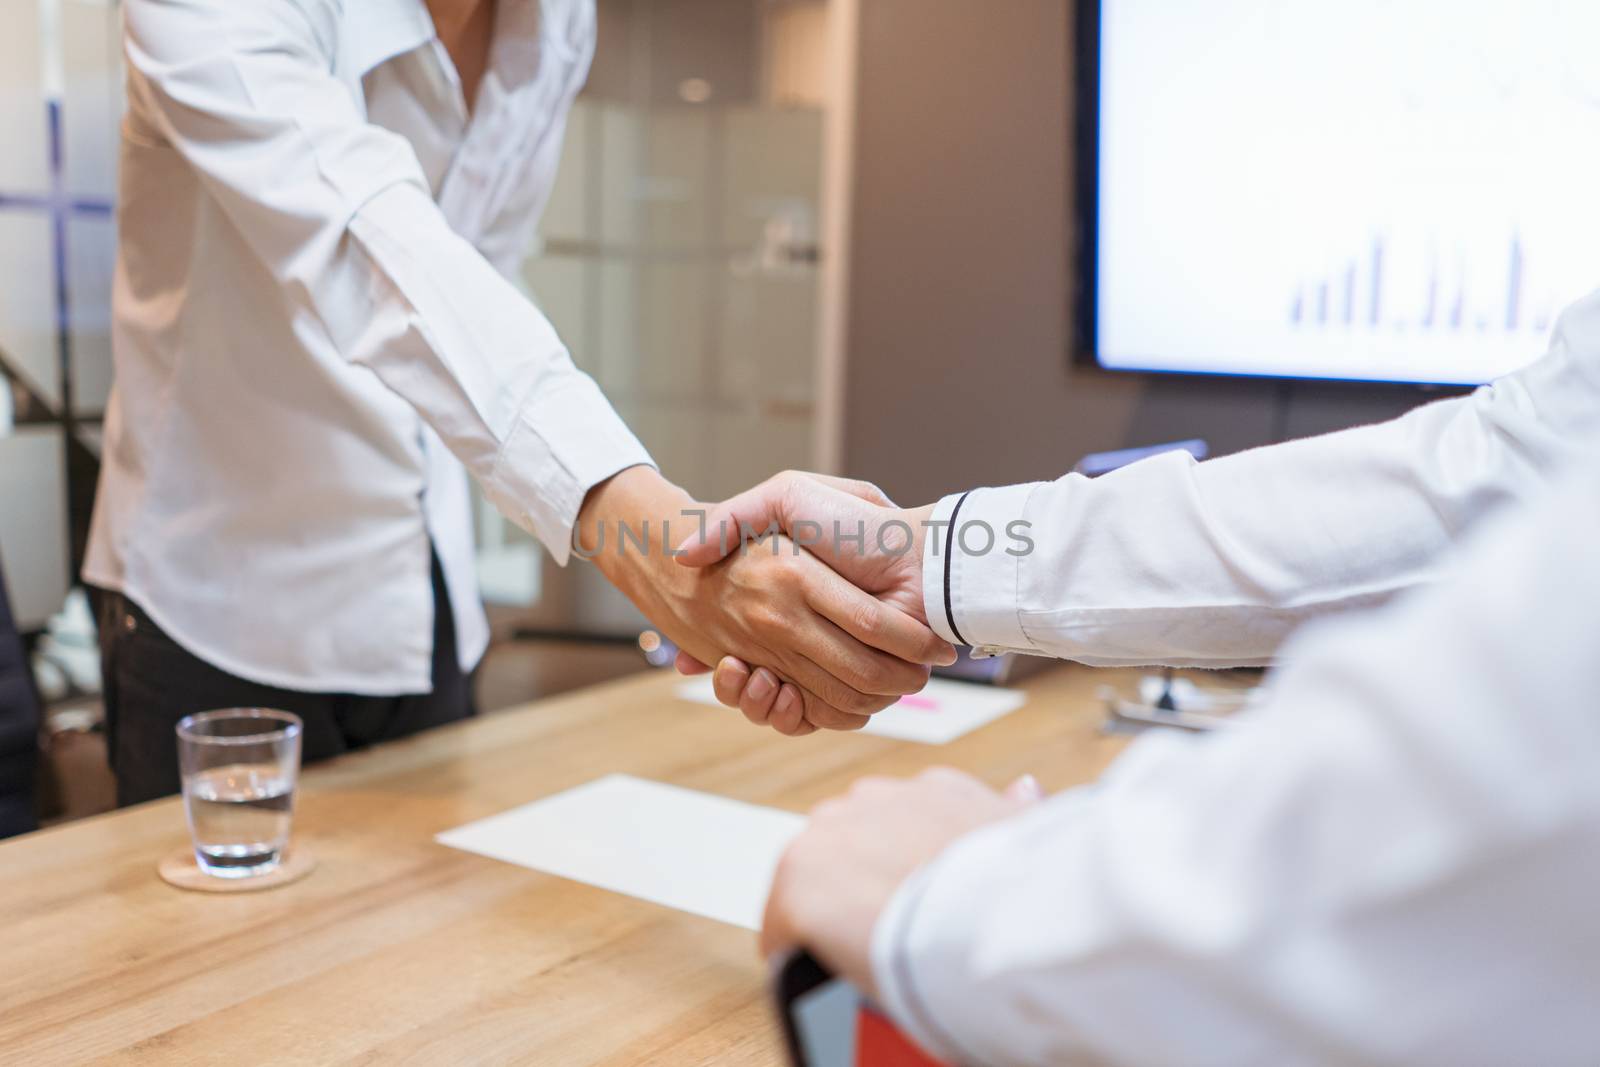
[[891, 970], [564, 443], [935, 945], [971, 568]]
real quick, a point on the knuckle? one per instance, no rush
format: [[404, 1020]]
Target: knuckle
[[851, 700], [829, 718], [900, 677], [785, 484], [765, 618], [772, 575], [791, 569], [867, 620], [913, 679], [820, 716], [870, 491], [867, 706], [877, 676]]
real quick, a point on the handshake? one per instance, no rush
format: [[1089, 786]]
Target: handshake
[[804, 593]]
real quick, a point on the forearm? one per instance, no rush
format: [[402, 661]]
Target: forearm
[[1414, 805], [1175, 562], [641, 499], [624, 528], [1214, 564]]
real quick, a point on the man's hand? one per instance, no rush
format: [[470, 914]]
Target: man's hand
[[840, 653], [849, 525], [840, 873]]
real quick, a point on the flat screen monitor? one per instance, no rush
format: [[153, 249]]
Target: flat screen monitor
[[1385, 190]]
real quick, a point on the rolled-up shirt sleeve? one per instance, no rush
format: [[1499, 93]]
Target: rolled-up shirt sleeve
[[338, 212], [1214, 564]]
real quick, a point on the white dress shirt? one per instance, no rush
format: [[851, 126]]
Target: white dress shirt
[[1393, 862], [1213, 564], [311, 297]]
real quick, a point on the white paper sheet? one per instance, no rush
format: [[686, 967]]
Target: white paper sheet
[[939, 714], [696, 852]]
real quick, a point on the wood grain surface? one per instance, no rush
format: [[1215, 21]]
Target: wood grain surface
[[398, 950]]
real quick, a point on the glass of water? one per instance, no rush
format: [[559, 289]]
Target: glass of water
[[239, 770]]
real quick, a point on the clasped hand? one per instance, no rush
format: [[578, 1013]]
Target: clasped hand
[[849, 525], [820, 644]]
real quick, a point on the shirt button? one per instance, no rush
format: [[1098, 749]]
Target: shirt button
[[129, 623]]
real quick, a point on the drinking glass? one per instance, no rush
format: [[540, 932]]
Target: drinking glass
[[239, 770]]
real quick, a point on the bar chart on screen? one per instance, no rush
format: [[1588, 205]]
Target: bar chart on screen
[[1444, 291], [1337, 188]]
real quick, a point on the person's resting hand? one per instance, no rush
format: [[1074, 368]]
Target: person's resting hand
[[837, 877], [849, 525], [839, 653]]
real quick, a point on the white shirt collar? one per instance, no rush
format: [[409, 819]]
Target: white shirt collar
[[376, 31]]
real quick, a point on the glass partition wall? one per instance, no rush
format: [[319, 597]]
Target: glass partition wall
[[60, 102], [679, 258]]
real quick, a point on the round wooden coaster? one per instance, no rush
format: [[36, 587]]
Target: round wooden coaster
[[181, 870]]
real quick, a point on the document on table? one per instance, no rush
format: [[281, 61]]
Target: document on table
[[939, 714], [696, 852]]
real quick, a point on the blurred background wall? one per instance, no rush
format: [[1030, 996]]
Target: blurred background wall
[[60, 102], [680, 258], [961, 275]]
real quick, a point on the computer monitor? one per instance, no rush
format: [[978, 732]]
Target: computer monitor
[[1386, 190]]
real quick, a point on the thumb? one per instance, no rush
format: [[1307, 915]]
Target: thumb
[[756, 509], [855, 487]]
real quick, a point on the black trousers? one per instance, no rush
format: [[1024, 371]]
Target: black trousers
[[19, 729], [151, 682]]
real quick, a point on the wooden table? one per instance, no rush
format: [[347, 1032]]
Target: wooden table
[[398, 950]]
